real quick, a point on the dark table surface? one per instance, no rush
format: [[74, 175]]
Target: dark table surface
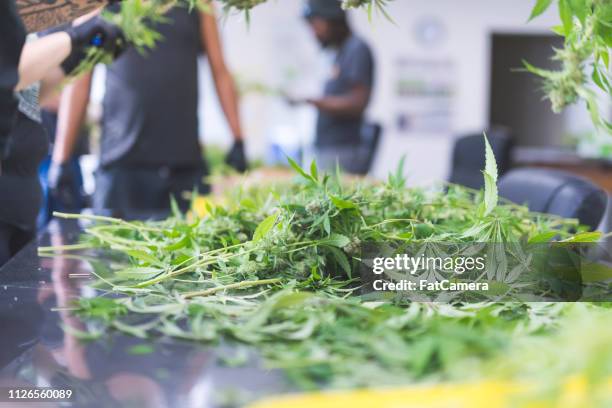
[[36, 350]]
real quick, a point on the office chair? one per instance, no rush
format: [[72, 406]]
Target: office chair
[[555, 192]]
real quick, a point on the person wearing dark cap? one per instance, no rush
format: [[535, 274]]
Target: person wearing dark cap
[[348, 89]]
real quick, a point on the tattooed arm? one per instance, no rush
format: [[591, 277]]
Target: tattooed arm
[[38, 15]]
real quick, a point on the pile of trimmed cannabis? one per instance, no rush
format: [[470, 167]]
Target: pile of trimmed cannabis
[[274, 269]]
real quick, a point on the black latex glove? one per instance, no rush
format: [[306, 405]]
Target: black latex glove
[[95, 32], [61, 184], [236, 157]]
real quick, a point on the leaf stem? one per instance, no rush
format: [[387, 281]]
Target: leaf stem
[[58, 248], [237, 285]]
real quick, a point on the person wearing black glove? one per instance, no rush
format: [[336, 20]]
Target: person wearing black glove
[[12, 38], [236, 158], [96, 32], [23, 141], [150, 146], [64, 189]]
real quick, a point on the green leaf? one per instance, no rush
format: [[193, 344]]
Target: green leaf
[[397, 180], [490, 178], [265, 227], [595, 272], [593, 236], [601, 80], [300, 171], [538, 71], [342, 260], [336, 240], [341, 204], [314, 172], [326, 224], [131, 330], [542, 237], [579, 8], [182, 243], [140, 349], [540, 7], [604, 55], [565, 14], [314, 273], [139, 273], [82, 335], [143, 256], [558, 29], [101, 308], [176, 212]]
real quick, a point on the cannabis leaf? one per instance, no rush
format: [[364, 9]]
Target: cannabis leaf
[[301, 171], [336, 240], [490, 178], [265, 227], [540, 7]]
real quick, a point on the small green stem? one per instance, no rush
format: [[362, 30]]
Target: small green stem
[[238, 285], [59, 248], [102, 218], [87, 217]]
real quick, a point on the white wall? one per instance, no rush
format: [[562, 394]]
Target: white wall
[[278, 39]]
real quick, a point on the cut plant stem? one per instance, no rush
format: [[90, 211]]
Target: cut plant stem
[[237, 285], [102, 218], [61, 248]]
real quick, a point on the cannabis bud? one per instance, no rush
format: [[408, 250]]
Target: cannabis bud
[[241, 4], [353, 247], [313, 208], [351, 4], [248, 268]]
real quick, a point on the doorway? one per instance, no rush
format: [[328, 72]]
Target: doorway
[[516, 96]]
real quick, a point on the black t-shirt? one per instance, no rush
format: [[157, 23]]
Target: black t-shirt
[[12, 38], [150, 116], [354, 66], [23, 140], [20, 192]]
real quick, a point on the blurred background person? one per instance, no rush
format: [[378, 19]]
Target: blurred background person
[[149, 147], [347, 90]]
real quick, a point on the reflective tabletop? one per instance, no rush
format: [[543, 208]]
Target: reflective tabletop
[[40, 345]]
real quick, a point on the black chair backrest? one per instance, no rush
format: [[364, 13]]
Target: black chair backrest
[[369, 140], [469, 157], [555, 192]]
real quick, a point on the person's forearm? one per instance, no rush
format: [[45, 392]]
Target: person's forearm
[[71, 114], [50, 88], [224, 83], [228, 97], [338, 105], [38, 15], [41, 56]]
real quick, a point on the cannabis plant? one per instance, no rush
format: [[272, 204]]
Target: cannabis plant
[[587, 28]]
